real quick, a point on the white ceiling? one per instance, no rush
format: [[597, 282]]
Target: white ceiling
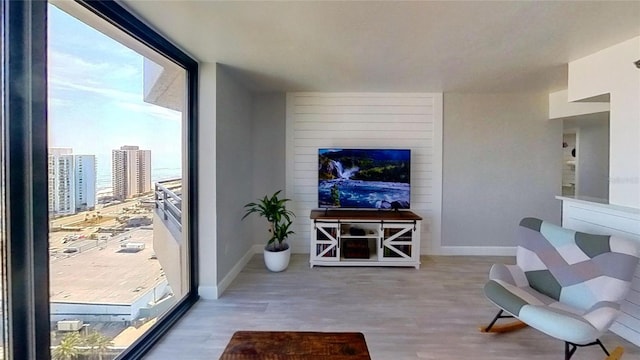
[[393, 46]]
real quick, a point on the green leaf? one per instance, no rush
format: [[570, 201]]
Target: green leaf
[[274, 210]]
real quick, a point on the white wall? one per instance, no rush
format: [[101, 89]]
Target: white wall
[[207, 182], [240, 134], [268, 128], [560, 107], [234, 171], [612, 71], [502, 162], [383, 120], [593, 159]]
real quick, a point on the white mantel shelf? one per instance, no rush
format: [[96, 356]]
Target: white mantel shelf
[[597, 202]]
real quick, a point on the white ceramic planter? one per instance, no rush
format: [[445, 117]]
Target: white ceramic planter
[[277, 261]]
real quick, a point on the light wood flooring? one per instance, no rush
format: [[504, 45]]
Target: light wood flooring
[[404, 313]]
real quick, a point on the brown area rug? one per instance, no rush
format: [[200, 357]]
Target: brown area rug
[[288, 345]]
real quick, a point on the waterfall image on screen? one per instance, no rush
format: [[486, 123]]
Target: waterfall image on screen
[[364, 178]]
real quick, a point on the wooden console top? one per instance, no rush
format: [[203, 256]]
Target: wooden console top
[[338, 214]]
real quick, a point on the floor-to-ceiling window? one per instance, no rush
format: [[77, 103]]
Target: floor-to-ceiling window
[[115, 157]]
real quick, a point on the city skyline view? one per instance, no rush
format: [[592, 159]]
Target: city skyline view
[[117, 258], [104, 180], [96, 86]]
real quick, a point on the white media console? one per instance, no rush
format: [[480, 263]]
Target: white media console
[[364, 238]]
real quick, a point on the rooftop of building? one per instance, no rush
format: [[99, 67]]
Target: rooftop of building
[[105, 273]]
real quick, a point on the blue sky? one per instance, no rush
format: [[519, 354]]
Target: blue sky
[[95, 98]]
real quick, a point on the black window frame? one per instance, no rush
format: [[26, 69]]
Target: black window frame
[[24, 106]]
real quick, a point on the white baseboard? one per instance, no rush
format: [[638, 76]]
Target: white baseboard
[[216, 291], [474, 251]]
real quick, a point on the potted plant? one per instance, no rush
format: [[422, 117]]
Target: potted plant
[[277, 252]]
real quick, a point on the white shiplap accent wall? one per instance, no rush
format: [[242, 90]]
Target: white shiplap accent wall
[[365, 120], [596, 218]]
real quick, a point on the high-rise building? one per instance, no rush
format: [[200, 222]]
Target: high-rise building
[[85, 182], [61, 182], [72, 182], [131, 172]]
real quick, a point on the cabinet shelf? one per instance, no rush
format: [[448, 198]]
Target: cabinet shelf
[[358, 236], [372, 257]]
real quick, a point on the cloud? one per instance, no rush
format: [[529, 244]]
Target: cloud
[[59, 82], [66, 63], [152, 110], [72, 78], [66, 68]]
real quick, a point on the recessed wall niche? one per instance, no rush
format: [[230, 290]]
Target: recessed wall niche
[[585, 165]]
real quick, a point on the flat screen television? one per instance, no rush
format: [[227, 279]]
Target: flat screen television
[[364, 178]]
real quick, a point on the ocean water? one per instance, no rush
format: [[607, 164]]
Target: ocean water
[[103, 179]]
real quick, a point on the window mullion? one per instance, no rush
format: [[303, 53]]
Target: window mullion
[[24, 107]]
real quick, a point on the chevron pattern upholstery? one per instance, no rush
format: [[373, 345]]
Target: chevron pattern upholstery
[[566, 284]]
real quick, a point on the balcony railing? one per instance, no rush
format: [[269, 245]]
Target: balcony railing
[[169, 201]]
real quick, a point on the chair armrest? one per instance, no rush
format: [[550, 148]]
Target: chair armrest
[[602, 314], [510, 274]]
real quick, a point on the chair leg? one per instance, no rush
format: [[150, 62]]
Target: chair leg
[[492, 327], [498, 316], [570, 348], [602, 346]]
